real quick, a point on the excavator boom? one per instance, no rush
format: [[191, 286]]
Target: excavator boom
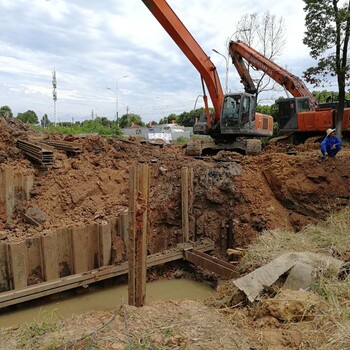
[[235, 115], [239, 50], [189, 46], [301, 115]]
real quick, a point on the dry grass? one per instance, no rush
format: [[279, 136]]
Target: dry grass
[[329, 237]]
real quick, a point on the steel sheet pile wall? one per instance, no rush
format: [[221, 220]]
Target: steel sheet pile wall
[[14, 186], [57, 254]]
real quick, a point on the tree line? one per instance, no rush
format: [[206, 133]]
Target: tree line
[[105, 126]]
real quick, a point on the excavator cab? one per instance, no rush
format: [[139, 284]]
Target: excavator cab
[[238, 113], [289, 109]]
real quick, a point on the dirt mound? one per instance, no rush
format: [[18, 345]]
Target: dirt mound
[[11, 130], [239, 196], [148, 327], [294, 306]]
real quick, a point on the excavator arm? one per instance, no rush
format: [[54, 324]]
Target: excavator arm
[[189, 46], [239, 51], [235, 115]]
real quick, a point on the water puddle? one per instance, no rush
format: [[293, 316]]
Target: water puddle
[[106, 299]]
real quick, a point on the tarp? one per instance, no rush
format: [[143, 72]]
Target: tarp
[[253, 283]]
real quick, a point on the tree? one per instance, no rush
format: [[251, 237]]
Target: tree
[[328, 96], [28, 117], [152, 123], [266, 34], [45, 121], [172, 117], [105, 122], [189, 118], [327, 35], [127, 119], [5, 111], [186, 119], [269, 110]]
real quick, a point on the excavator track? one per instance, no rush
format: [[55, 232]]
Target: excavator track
[[202, 148], [314, 139], [283, 139]]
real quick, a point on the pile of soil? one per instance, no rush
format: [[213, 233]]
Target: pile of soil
[[250, 194]]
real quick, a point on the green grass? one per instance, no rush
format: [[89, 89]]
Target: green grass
[[181, 140], [85, 128], [31, 335]]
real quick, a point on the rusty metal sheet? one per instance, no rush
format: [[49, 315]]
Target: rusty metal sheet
[[208, 262]]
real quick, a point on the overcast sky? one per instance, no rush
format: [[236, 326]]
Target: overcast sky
[[93, 44]]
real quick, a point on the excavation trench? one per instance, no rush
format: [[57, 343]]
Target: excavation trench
[[65, 220]]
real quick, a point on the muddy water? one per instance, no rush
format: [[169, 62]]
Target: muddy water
[[105, 299]]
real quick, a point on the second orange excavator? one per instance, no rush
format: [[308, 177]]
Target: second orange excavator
[[300, 117]]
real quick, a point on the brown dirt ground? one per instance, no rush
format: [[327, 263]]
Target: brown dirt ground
[[287, 321], [272, 190]]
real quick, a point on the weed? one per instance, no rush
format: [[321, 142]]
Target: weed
[[167, 331], [181, 140], [33, 333], [320, 289], [142, 344]]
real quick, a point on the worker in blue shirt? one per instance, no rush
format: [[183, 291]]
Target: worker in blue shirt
[[331, 144]]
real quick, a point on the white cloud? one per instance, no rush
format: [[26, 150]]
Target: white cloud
[[93, 44]]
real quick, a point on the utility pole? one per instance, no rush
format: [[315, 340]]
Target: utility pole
[[54, 94], [127, 116], [116, 98]]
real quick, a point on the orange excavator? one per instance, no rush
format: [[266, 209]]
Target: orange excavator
[[234, 124], [300, 117]]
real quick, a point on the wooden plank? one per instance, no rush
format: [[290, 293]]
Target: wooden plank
[[105, 232], [80, 249], [4, 277], [192, 220], [93, 246], [50, 256], [115, 226], [3, 213], [65, 251], [190, 189], [152, 260], [77, 280], [18, 264], [124, 226], [34, 260], [131, 235], [10, 193], [123, 229], [184, 206], [141, 232], [59, 285], [7, 193]]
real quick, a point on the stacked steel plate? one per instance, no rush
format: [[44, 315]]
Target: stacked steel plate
[[70, 147], [40, 153]]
